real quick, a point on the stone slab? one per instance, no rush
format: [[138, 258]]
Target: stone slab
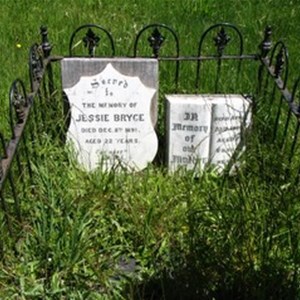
[[205, 130], [113, 105]]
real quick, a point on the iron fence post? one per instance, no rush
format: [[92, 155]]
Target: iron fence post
[[266, 44], [46, 46]]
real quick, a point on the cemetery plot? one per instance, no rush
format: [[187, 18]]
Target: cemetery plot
[[113, 105], [205, 130]]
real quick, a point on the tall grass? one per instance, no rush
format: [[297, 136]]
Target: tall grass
[[114, 235]]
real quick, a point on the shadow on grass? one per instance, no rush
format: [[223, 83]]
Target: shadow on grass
[[190, 284]]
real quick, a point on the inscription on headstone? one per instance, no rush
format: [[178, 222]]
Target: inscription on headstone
[[113, 105], [205, 129]]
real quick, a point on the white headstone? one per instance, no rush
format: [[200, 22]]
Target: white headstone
[[205, 129], [113, 105]]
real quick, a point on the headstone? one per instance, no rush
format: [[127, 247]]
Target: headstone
[[205, 130], [113, 105]]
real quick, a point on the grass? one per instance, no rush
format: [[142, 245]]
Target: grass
[[213, 237]]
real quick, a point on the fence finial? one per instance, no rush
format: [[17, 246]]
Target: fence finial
[[266, 44], [221, 41], [156, 40], [91, 41], [46, 46]]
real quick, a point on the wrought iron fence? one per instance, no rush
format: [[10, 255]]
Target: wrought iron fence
[[282, 116], [217, 67]]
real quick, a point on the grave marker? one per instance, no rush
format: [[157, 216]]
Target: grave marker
[[205, 129], [113, 104]]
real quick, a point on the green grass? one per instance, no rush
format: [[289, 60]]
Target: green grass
[[191, 238]]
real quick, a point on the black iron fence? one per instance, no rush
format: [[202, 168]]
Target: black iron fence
[[218, 66]]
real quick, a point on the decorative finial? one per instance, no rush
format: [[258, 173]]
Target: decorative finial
[[19, 103], [46, 46], [221, 41], [91, 41], [266, 44], [155, 41]]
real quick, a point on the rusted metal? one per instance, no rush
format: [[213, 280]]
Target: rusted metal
[[266, 44], [35, 66], [45, 45], [12, 145]]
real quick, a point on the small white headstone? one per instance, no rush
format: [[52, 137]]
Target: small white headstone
[[113, 105], [205, 129]]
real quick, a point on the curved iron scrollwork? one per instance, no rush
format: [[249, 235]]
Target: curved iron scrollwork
[[279, 58], [3, 154], [90, 40], [18, 102], [221, 41], [35, 65], [295, 109], [279, 63], [1, 172], [156, 40], [294, 106]]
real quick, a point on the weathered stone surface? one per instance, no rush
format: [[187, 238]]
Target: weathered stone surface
[[113, 105], [205, 129]]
